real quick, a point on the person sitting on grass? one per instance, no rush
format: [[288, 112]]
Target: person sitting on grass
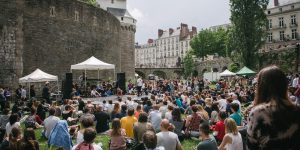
[[232, 139], [207, 142], [60, 137], [235, 115], [50, 122], [150, 141], [33, 121], [166, 138], [11, 142], [89, 136], [219, 128], [85, 123], [117, 136], [102, 119], [128, 122], [29, 141]]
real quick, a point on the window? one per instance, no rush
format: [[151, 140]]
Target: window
[[270, 37], [281, 33], [186, 43], [293, 20], [280, 9], [112, 1], [270, 23], [52, 11], [269, 12], [281, 22], [76, 16], [292, 7], [294, 34], [122, 18]]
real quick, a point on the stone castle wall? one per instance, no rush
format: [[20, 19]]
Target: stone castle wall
[[54, 34], [127, 50]]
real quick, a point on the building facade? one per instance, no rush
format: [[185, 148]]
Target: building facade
[[222, 26], [283, 26], [167, 51]]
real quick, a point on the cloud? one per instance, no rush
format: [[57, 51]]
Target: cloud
[[136, 13]]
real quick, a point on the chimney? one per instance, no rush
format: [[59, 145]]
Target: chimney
[[194, 29], [171, 31], [276, 2], [160, 32], [150, 41]]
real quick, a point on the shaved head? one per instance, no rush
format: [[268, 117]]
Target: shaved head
[[165, 124]]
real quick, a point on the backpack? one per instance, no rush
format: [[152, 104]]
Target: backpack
[[30, 122]]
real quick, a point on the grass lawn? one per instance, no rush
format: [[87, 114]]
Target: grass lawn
[[104, 139]]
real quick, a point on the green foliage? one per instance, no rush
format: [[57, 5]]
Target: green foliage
[[234, 67], [209, 42], [248, 28], [188, 64], [91, 2]]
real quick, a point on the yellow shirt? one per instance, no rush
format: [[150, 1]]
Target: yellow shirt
[[127, 124]]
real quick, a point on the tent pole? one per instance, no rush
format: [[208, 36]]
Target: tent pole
[[29, 91], [85, 81], [98, 74]]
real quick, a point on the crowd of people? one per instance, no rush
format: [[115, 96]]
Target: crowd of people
[[245, 113]]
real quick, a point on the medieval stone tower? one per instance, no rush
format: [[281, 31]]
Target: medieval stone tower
[[127, 34]]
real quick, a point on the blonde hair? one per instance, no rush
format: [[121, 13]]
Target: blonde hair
[[230, 126], [208, 101], [203, 112]]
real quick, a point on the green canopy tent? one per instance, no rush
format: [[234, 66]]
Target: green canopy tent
[[245, 71]]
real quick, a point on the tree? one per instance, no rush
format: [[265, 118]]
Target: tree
[[209, 42], [188, 64], [91, 2], [248, 25]]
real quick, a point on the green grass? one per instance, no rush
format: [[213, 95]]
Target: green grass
[[104, 139]]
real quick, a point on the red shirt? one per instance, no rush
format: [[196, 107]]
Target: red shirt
[[220, 128]]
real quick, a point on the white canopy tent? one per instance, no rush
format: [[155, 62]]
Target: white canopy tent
[[38, 76], [227, 73], [93, 64]]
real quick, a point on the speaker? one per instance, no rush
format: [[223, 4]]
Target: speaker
[[67, 88], [121, 81]]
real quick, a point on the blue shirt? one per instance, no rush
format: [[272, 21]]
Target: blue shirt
[[237, 118]]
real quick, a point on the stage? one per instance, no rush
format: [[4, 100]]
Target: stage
[[99, 100]]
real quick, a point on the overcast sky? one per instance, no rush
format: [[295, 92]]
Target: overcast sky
[[164, 14]]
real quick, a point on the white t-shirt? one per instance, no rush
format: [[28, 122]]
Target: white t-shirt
[[222, 104], [168, 140], [139, 82], [9, 127], [295, 83], [49, 124], [79, 138], [96, 147]]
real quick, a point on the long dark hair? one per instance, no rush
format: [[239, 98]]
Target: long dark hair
[[176, 114], [13, 118], [272, 85], [116, 127]]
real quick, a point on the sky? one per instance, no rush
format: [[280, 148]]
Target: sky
[[152, 15]]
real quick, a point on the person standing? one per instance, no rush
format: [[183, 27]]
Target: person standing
[[46, 93], [23, 93], [139, 86], [2, 99], [166, 138], [295, 81], [32, 91]]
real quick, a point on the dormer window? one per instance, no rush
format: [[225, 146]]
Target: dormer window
[[112, 1]]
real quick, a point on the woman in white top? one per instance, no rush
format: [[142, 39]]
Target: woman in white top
[[13, 122], [232, 139], [86, 122]]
